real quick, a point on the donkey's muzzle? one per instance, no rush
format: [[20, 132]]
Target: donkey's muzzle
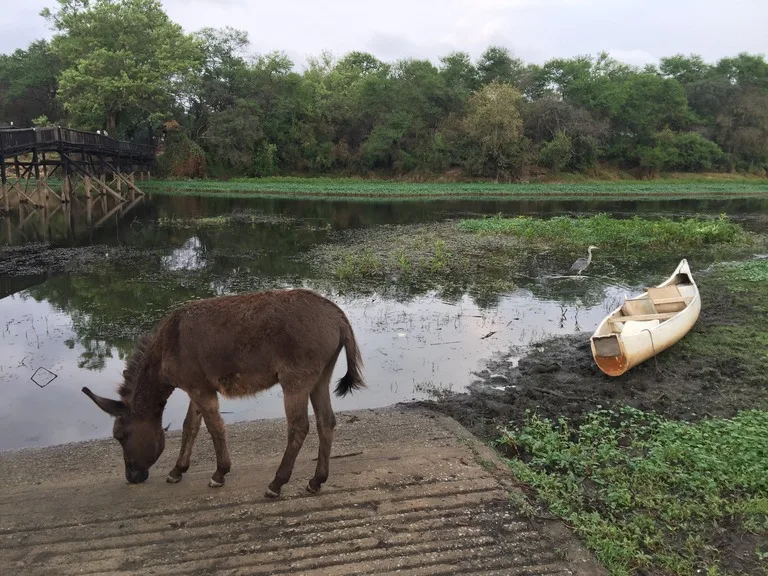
[[136, 476]]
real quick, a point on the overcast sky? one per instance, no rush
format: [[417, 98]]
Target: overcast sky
[[635, 31]]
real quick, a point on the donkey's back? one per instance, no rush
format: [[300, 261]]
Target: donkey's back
[[244, 343]]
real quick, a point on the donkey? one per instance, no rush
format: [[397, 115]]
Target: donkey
[[235, 346]]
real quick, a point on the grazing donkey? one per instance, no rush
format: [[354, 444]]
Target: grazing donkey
[[237, 346]]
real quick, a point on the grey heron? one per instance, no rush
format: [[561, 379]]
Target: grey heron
[[581, 264]]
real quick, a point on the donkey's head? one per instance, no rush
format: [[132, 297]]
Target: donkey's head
[[142, 439]]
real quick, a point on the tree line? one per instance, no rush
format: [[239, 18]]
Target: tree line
[[216, 110]]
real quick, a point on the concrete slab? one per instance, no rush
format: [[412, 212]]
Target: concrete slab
[[410, 492]]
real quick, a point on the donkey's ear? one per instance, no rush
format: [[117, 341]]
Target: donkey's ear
[[111, 407]]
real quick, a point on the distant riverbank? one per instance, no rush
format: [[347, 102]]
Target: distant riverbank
[[357, 188]]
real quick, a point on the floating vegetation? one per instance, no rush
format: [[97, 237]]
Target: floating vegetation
[[223, 220], [603, 230]]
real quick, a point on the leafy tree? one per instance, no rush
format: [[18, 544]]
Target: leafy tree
[[745, 70], [221, 80], [742, 127], [651, 104], [494, 125], [28, 85], [460, 78], [557, 152], [547, 117], [685, 69], [498, 65], [686, 151], [124, 66], [232, 137], [123, 61]]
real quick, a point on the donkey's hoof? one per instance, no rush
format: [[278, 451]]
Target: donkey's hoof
[[215, 483], [313, 489], [171, 479], [269, 493]]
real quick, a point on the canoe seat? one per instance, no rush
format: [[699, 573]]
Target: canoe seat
[[638, 306], [644, 317], [636, 326]]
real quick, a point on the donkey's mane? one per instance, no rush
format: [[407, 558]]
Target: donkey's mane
[[133, 365]]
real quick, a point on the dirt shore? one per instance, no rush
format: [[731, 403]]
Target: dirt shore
[[410, 492]]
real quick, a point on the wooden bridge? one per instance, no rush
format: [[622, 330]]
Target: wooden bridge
[[79, 160]]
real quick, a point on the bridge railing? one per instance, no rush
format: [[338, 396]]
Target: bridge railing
[[18, 141]]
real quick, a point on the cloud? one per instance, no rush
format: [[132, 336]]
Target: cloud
[[634, 57], [536, 30]]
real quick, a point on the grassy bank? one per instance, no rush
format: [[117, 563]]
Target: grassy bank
[[649, 494], [654, 495], [671, 188]]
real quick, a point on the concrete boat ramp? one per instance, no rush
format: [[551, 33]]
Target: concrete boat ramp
[[410, 493]]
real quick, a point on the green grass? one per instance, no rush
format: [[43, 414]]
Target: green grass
[[357, 188], [737, 339], [604, 231], [653, 495], [749, 271], [648, 494]]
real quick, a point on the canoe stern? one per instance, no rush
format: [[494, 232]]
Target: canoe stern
[[608, 352]]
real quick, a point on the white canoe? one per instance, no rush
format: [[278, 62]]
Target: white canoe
[[644, 326]]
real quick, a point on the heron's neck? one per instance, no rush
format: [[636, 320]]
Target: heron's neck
[[589, 255]]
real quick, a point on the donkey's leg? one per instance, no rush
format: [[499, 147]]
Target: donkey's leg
[[297, 417], [188, 437], [326, 422], [208, 404]]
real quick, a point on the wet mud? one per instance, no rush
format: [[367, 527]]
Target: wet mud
[[558, 378]]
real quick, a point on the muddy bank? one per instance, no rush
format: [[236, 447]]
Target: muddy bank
[[714, 371]]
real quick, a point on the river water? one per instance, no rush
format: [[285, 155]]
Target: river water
[[62, 332]]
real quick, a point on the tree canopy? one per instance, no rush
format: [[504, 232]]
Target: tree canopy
[[123, 61], [125, 66]]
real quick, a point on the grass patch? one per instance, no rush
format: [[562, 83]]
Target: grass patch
[[603, 231], [358, 188], [649, 494], [413, 259]]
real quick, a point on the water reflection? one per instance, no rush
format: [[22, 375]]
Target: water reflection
[[110, 223], [410, 350], [189, 257]]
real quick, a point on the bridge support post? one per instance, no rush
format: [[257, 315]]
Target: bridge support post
[[3, 186], [38, 183], [66, 185], [132, 186]]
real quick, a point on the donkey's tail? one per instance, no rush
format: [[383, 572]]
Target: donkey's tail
[[353, 379]]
